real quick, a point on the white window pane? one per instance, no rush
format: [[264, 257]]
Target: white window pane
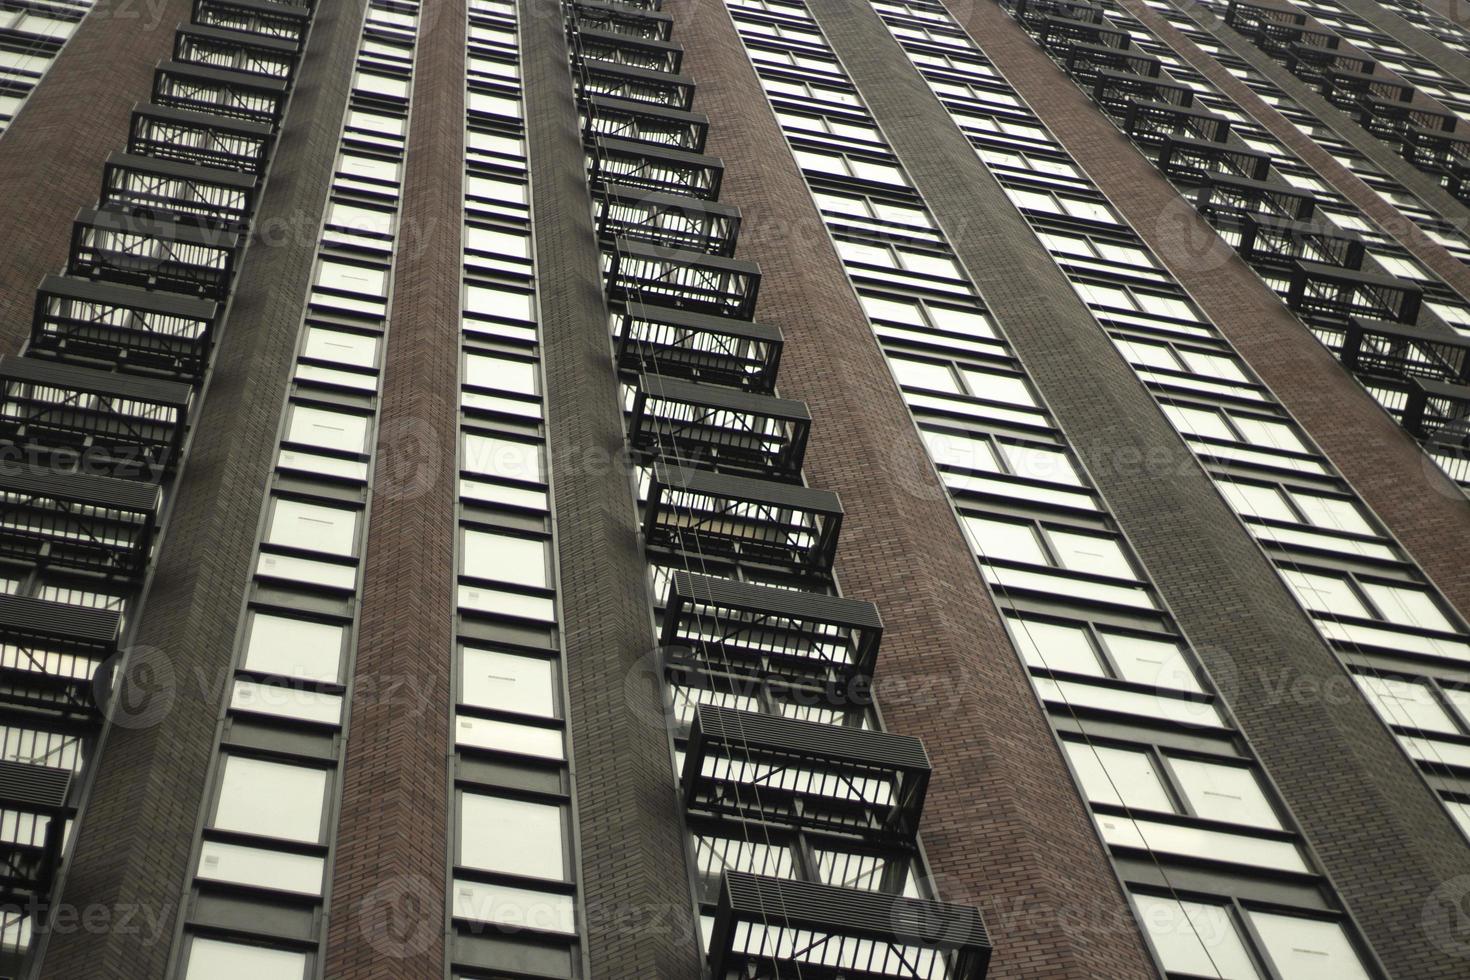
[[1041, 464], [1054, 646], [285, 701], [271, 799], [294, 647], [1195, 938], [1333, 513], [1254, 500], [1274, 435], [492, 679], [514, 908], [1089, 553], [212, 959], [505, 558], [1411, 607], [965, 452], [1220, 792], [508, 459], [1118, 776], [353, 278], [961, 321], [1325, 593], [507, 736], [1150, 661], [502, 374], [1308, 949], [491, 240], [261, 867], [344, 348], [1408, 703], [329, 430], [925, 374], [1005, 540], [498, 302], [998, 387], [1199, 422], [888, 309], [513, 836], [360, 219], [312, 526]]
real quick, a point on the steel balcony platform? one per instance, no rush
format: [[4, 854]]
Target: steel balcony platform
[[609, 46], [33, 813], [242, 51], [286, 21], [220, 91], [661, 341], [610, 79], [169, 188], [153, 253], [1319, 290], [727, 625], [50, 653], [77, 522], [639, 122], [146, 331], [663, 220], [718, 428], [619, 161], [636, 272], [199, 138]]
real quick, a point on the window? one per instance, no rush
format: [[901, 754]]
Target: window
[[1006, 540], [368, 220], [293, 647], [1408, 703], [1144, 660], [1325, 593], [327, 430], [297, 524], [1408, 607], [489, 301], [925, 374], [1308, 949], [213, 959], [1195, 938], [1334, 513], [1119, 776], [353, 349], [1036, 463], [1253, 500], [504, 558], [998, 387], [360, 279], [508, 459], [260, 867], [1090, 553], [1054, 646], [501, 374], [1224, 792], [285, 701], [271, 799], [511, 836], [966, 452], [507, 682]]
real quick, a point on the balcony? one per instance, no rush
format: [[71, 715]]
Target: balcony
[[803, 637], [636, 272], [1271, 28], [1279, 243], [220, 92], [1193, 161], [617, 161], [33, 815], [73, 521], [285, 21], [216, 47], [134, 329], [1222, 194], [718, 428], [1439, 411], [1085, 61], [804, 775], [672, 221], [1151, 123], [124, 424], [773, 929], [613, 80], [716, 350], [694, 515], [1319, 290], [50, 653], [1033, 11], [1346, 88], [153, 253], [199, 139], [637, 122], [623, 19], [1059, 33], [136, 183], [1397, 351], [1117, 91], [664, 56]]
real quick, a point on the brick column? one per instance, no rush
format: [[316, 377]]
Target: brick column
[[640, 913], [1004, 828], [1348, 783], [391, 856], [137, 831]]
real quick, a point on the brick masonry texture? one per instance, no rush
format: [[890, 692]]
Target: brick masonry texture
[[639, 910], [1350, 787], [136, 835], [1434, 255], [51, 156], [387, 900], [1003, 826]]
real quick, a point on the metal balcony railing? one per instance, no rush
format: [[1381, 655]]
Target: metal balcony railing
[[664, 56], [674, 221], [1319, 290], [200, 139], [1279, 243], [613, 80], [69, 520], [134, 329], [715, 516], [719, 350], [620, 161], [220, 91], [639, 122], [151, 185], [33, 814], [217, 47], [287, 21], [619, 18], [638, 272], [1117, 91], [802, 637], [1150, 123], [153, 252], [1192, 161], [50, 655], [718, 428], [124, 424], [772, 929], [1223, 194]]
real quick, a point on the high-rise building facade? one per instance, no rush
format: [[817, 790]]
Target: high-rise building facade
[[734, 489]]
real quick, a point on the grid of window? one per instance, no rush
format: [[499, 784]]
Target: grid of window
[[1441, 28], [32, 33], [272, 803], [1152, 746], [1372, 605], [514, 878]]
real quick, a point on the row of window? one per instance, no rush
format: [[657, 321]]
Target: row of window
[[271, 813], [1081, 612], [1367, 599], [32, 33]]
